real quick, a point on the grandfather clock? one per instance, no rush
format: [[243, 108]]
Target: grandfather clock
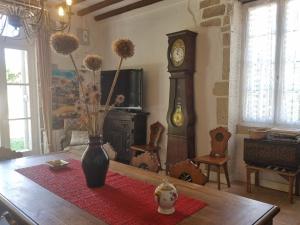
[[181, 113]]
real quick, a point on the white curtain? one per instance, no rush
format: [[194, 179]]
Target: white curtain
[[259, 64], [271, 93], [289, 85], [45, 83]]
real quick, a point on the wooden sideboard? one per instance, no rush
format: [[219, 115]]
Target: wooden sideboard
[[282, 154], [275, 156], [123, 129]]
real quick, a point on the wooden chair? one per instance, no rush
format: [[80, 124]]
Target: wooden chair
[[112, 154], [146, 161], [6, 153], [187, 171], [156, 130], [6, 219], [217, 157]]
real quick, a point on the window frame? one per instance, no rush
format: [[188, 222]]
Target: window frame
[[33, 94], [278, 51]]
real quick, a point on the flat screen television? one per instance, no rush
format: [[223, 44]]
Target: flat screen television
[[129, 84]]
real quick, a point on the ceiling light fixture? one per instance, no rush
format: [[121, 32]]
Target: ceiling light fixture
[[28, 16]]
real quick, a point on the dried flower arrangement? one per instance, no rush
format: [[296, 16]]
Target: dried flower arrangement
[[92, 113]]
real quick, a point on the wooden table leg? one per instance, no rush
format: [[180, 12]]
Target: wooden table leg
[[248, 180], [291, 186], [219, 177], [208, 171], [257, 178], [226, 174], [297, 186]]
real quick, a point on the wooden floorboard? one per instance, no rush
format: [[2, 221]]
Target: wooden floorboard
[[289, 214]]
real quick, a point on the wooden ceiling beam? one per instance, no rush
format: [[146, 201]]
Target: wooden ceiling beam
[[97, 6], [125, 9], [78, 1]]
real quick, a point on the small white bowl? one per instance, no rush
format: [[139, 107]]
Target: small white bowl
[[57, 164]]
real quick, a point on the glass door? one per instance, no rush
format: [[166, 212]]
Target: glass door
[[18, 100], [19, 130]]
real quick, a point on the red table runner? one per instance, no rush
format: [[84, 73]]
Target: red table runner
[[122, 200]]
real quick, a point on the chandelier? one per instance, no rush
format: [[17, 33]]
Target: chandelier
[[24, 18]]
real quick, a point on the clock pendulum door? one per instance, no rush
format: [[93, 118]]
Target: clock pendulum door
[[181, 115], [180, 119]]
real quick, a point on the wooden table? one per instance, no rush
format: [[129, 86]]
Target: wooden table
[[39, 206]]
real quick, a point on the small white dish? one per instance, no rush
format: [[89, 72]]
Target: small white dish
[[57, 164]]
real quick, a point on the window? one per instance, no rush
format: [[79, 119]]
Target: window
[[271, 67], [19, 117], [7, 30]]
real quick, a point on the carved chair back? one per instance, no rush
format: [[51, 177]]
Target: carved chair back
[[219, 141], [6, 219], [156, 130], [146, 161], [188, 171]]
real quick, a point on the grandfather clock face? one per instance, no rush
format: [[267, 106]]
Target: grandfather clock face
[[177, 53], [180, 117]]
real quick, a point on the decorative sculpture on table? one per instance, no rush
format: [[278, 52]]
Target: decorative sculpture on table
[[92, 114], [166, 196]]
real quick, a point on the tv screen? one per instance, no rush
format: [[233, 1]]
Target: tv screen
[[129, 84]]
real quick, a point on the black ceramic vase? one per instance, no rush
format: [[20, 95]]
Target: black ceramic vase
[[95, 163]]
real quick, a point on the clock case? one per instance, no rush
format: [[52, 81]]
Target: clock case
[[181, 140], [188, 38]]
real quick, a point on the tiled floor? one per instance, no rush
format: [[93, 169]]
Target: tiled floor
[[289, 213]]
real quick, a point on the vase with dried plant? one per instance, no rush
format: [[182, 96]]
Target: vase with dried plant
[[95, 161]]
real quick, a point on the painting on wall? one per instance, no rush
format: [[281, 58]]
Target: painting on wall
[[65, 92]]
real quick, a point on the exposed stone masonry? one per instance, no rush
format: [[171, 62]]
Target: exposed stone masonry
[[217, 13]]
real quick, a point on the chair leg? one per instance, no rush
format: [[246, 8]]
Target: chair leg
[[257, 178], [248, 180], [208, 171], [297, 185], [291, 187], [158, 158], [219, 177], [226, 174]]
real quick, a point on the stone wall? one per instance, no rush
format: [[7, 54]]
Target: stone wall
[[225, 15], [218, 13]]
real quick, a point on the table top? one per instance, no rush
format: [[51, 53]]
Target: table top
[[40, 206]]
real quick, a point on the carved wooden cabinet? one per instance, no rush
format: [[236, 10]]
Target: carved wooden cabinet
[[265, 152], [123, 129]]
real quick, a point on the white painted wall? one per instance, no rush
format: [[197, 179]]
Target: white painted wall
[[147, 28]]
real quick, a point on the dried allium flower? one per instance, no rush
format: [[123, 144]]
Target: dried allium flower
[[79, 106], [91, 87], [87, 99], [64, 43], [96, 97], [94, 88], [93, 62], [119, 99], [123, 48], [80, 78]]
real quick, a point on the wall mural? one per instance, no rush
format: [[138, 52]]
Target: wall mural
[[64, 94]]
